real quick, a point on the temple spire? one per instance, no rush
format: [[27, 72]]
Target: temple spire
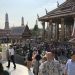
[[22, 21], [6, 21], [46, 10]]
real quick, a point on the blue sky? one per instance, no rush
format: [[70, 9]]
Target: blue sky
[[26, 8]]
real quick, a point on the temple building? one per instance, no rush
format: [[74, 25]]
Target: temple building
[[14, 34], [4, 33], [26, 33], [60, 22]]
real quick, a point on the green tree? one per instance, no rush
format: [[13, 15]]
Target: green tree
[[35, 31], [36, 28]]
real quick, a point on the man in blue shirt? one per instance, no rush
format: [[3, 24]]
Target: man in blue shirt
[[70, 65]]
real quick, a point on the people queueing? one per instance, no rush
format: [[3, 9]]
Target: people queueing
[[11, 57], [70, 65], [51, 66]]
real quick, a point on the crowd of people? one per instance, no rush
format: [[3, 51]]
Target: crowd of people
[[46, 64]]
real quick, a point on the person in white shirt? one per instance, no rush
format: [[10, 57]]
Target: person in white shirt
[[11, 57]]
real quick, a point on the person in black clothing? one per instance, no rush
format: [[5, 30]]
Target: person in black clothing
[[2, 71], [36, 64]]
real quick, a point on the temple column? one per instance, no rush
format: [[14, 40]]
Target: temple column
[[50, 29], [53, 31], [71, 29], [73, 32], [65, 31], [56, 31], [68, 31], [43, 33], [62, 29]]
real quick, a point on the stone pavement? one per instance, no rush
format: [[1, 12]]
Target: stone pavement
[[20, 69]]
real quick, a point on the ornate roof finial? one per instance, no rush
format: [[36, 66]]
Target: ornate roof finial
[[46, 10], [57, 4]]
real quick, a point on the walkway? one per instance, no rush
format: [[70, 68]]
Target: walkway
[[20, 70]]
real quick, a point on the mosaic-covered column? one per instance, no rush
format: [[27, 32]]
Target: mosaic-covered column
[[62, 29], [73, 32], [47, 30], [43, 33], [68, 31], [50, 29], [56, 31]]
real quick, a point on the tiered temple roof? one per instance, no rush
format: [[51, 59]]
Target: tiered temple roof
[[65, 9], [26, 32]]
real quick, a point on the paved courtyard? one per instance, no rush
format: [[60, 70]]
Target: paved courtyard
[[20, 69]]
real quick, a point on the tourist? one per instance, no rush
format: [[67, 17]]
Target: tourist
[[11, 57], [70, 65], [51, 66], [2, 71], [28, 65], [36, 64], [0, 58], [44, 58]]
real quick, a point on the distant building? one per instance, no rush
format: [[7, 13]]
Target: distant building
[[4, 34], [14, 34]]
